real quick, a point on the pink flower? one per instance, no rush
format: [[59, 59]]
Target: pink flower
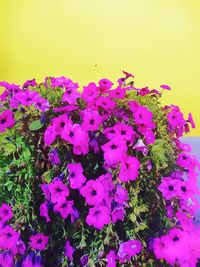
[[98, 217], [54, 157], [76, 177], [191, 121], [121, 194], [111, 259], [118, 213], [42, 104], [185, 160], [118, 93], [114, 151], [165, 86], [39, 241], [169, 187], [129, 249], [144, 91], [58, 191], [91, 120], [69, 250], [105, 103], [30, 83], [65, 208], [70, 96], [4, 95], [175, 118], [129, 169], [50, 135], [6, 260], [5, 213], [8, 238], [44, 211], [93, 192], [144, 117], [105, 85], [90, 93], [25, 98], [6, 120], [149, 136], [60, 122]]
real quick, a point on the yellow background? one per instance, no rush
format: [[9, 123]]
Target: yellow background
[[87, 40]]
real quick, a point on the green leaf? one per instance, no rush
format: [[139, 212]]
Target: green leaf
[[35, 125]]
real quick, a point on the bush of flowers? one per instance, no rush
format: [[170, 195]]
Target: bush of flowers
[[95, 176]]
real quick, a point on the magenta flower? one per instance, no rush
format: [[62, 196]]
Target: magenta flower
[[65, 208], [169, 187], [98, 217], [50, 135], [175, 118], [8, 238], [165, 86], [42, 104], [39, 241], [30, 83], [90, 93], [185, 160], [58, 191], [76, 177], [118, 93], [105, 85], [4, 95], [114, 151], [44, 211], [93, 192], [124, 131], [5, 213], [149, 136], [191, 121], [25, 98], [105, 103], [118, 213], [54, 157], [111, 259], [70, 96], [6, 120], [144, 91], [60, 122], [129, 169], [69, 250], [6, 260], [91, 120], [121, 194], [129, 249], [144, 117]]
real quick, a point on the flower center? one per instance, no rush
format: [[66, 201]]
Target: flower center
[[176, 238], [183, 188], [92, 121], [39, 241], [123, 132], [94, 193], [3, 121], [171, 188], [58, 189], [71, 134], [113, 146]]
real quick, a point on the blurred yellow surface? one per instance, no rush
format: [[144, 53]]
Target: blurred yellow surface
[[86, 40]]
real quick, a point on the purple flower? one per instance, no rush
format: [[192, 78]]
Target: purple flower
[[76, 177], [6, 120], [44, 211], [30, 83], [91, 120], [39, 241], [6, 260], [98, 217], [54, 157], [165, 86], [65, 208], [5, 213], [58, 191], [93, 192], [105, 85], [69, 250], [129, 249], [111, 259]]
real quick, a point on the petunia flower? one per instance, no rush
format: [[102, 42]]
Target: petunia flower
[[111, 259], [144, 117], [169, 187], [90, 93], [98, 217], [104, 85], [6, 120], [8, 238], [114, 151], [65, 208], [93, 192], [58, 191], [5, 213], [69, 250], [29, 83], [128, 249], [39, 241], [54, 157], [6, 259], [129, 169], [76, 177], [118, 93], [91, 120], [44, 210]]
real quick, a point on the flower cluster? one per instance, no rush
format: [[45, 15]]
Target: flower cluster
[[95, 177]]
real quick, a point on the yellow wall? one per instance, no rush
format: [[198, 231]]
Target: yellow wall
[[86, 40]]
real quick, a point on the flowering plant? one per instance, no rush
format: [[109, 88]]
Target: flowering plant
[[95, 177]]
